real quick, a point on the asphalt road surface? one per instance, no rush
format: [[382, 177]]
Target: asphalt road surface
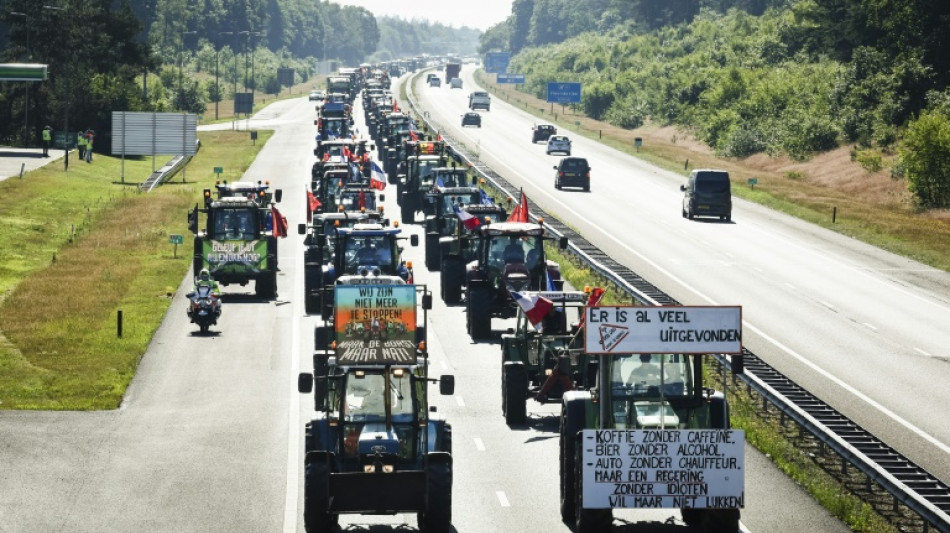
[[209, 437]]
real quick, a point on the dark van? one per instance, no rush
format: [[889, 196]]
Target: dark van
[[708, 193]]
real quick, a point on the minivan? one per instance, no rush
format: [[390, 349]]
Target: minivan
[[708, 193]]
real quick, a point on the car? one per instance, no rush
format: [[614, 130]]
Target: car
[[559, 144], [435, 82], [471, 119], [455, 83], [479, 100], [542, 132], [707, 193], [572, 172], [316, 95]]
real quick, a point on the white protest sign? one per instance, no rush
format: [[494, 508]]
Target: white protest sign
[[661, 468], [666, 329]]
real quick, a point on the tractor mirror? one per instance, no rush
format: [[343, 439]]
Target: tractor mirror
[[316, 152], [447, 385], [414, 240], [304, 382], [193, 220], [562, 243], [321, 240], [382, 197], [737, 364], [278, 194], [427, 301], [301, 229]]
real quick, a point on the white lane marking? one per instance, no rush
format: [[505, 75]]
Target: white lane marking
[[460, 401], [502, 498], [826, 304], [869, 326], [791, 287], [918, 350], [293, 416], [479, 445]]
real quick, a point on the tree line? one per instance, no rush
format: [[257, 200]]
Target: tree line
[[792, 77]]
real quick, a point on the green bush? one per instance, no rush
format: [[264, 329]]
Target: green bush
[[925, 159]]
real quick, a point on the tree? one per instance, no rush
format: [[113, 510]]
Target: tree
[[925, 156]]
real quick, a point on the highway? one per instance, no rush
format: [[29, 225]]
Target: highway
[[209, 437], [863, 329]]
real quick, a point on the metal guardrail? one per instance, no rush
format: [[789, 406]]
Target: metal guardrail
[[161, 175], [908, 484]]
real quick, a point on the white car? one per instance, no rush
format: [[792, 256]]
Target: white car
[[316, 96], [559, 144]]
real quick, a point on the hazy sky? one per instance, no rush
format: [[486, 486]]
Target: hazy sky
[[473, 13]]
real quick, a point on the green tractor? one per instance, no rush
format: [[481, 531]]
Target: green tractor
[[510, 258], [239, 241], [421, 159], [441, 219], [459, 246], [650, 434], [544, 361]]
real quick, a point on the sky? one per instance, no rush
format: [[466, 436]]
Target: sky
[[479, 14]]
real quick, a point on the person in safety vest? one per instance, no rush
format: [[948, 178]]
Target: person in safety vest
[[47, 137]]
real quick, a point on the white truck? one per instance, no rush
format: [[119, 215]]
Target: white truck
[[479, 100]]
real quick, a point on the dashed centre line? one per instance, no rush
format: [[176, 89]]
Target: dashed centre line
[[502, 498], [479, 445], [460, 401]]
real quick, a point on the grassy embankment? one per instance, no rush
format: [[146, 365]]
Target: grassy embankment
[[77, 248]]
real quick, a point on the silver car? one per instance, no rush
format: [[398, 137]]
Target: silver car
[[559, 144]]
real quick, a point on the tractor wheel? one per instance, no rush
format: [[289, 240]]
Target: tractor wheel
[[407, 211], [572, 421], [316, 497], [587, 520], [693, 518], [516, 394], [437, 518], [479, 312], [433, 254], [266, 287], [311, 286], [451, 280], [197, 262], [722, 520]]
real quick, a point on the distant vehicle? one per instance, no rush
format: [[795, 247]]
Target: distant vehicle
[[317, 95], [542, 132], [452, 70], [707, 193], [471, 119], [430, 76], [479, 100], [435, 82], [572, 172], [455, 83], [559, 144]]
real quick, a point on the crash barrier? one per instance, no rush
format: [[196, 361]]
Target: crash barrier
[[908, 484], [166, 172]]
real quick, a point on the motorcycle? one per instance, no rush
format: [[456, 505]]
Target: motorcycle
[[204, 307]]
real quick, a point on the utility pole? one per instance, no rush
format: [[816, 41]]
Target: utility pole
[[29, 59], [217, 87], [66, 98]]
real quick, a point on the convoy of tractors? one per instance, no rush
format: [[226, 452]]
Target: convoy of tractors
[[639, 428]]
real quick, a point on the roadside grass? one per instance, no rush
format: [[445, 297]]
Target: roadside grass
[[82, 249], [888, 219], [261, 100]]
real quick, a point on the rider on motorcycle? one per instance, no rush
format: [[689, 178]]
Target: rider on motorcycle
[[204, 279]]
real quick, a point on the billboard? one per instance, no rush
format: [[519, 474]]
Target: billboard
[[285, 77], [147, 133], [243, 103], [564, 93], [375, 324], [497, 62]]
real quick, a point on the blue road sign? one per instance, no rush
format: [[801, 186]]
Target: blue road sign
[[564, 93], [497, 62], [511, 78]]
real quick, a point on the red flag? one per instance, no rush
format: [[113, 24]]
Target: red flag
[[279, 222], [326, 156], [413, 136], [362, 199], [520, 213], [313, 203], [593, 300], [348, 154], [438, 137]]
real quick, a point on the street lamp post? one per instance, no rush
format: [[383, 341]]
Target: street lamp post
[[66, 98], [29, 57], [217, 87], [181, 67]]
